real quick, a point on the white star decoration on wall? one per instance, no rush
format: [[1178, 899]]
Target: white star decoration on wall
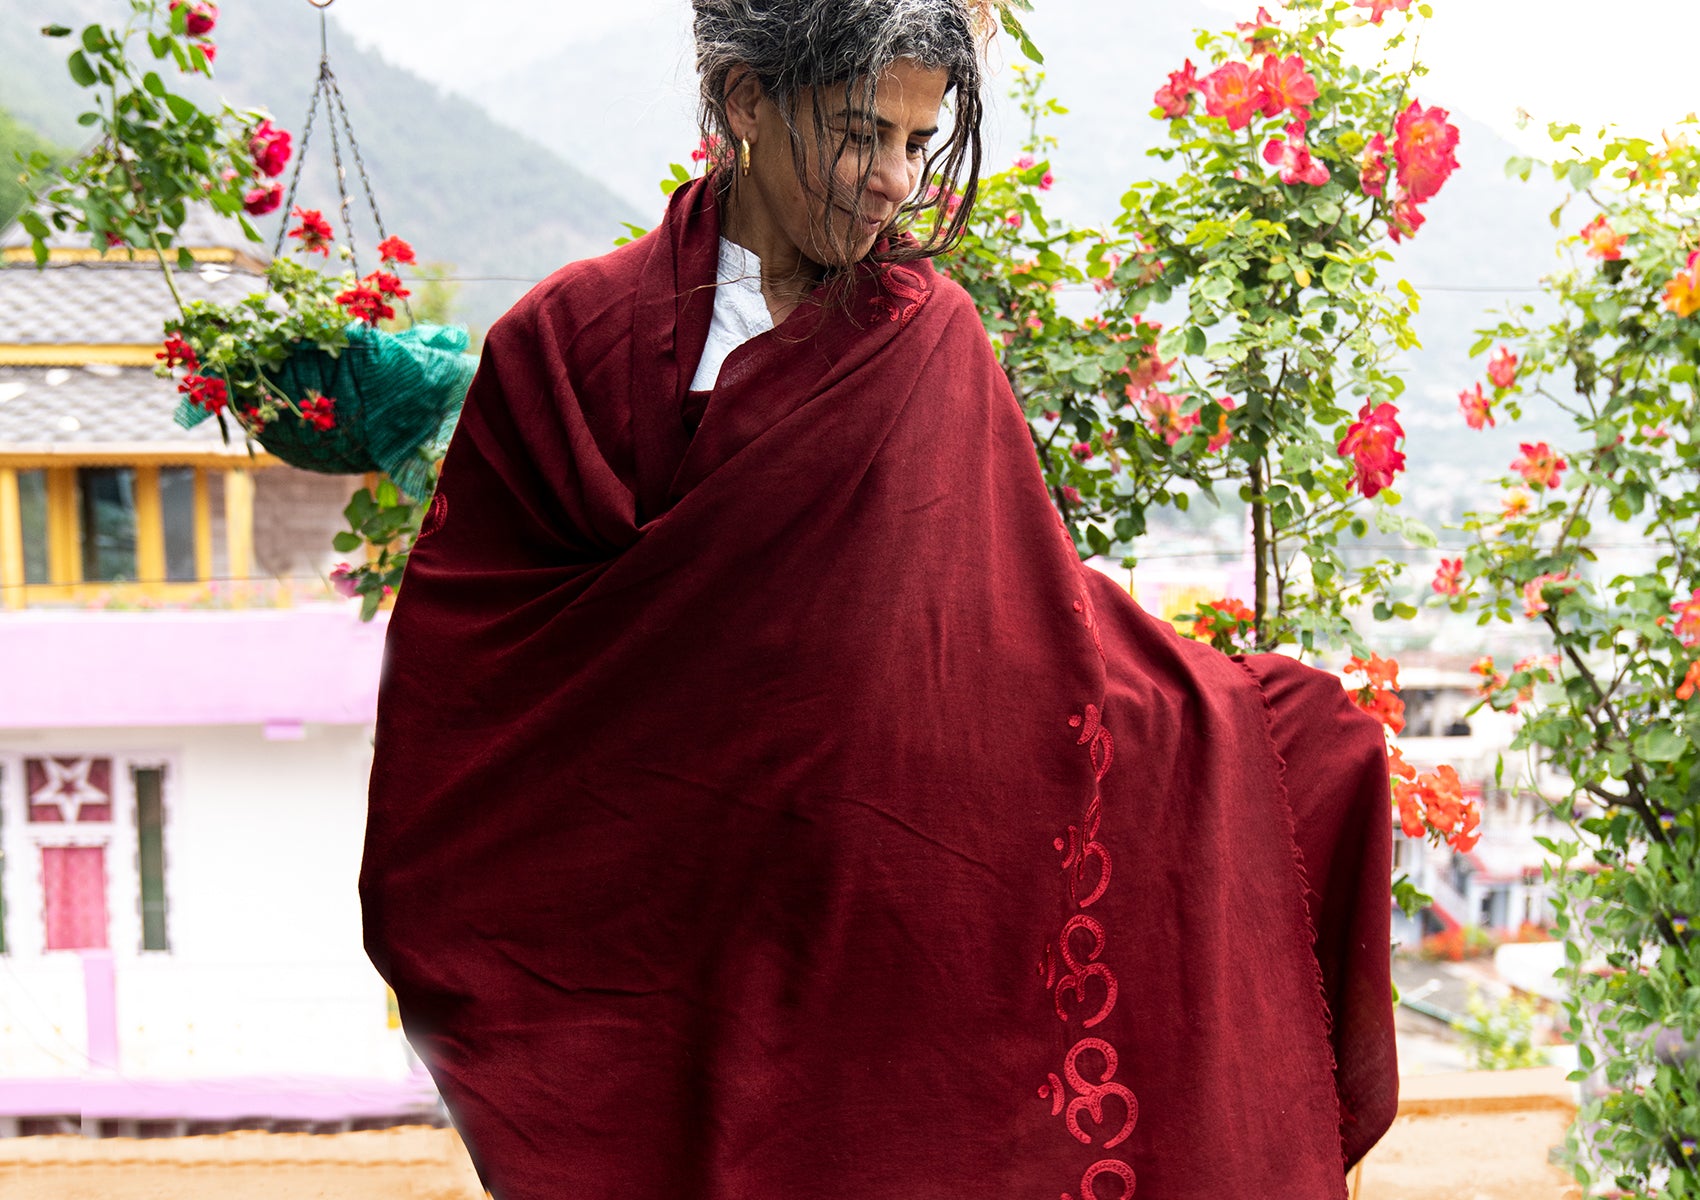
[[67, 783]]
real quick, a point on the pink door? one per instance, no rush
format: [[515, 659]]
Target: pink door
[[73, 883]]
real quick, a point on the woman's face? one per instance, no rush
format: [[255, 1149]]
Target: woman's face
[[818, 216]]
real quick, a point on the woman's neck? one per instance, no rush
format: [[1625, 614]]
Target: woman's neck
[[787, 277]]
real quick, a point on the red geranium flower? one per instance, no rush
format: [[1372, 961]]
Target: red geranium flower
[[1478, 408], [269, 147], [394, 250], [365, 303], [386, 284], [1287, 85], [319, 411], [1234, 92], [1423, 149], [205, 391], [1370, 444], [1502, 368], [1175, 97], [179, 353], [1540, 465], [261, 200], [314, 231]]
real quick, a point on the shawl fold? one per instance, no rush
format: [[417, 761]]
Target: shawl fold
[[781, 809]]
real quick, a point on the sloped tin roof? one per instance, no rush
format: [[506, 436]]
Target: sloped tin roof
[[52, 409]]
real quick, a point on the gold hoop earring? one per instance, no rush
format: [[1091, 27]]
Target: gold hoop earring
[[744, 155]]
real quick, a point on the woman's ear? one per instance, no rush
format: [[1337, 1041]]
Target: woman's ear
[[743, 100]]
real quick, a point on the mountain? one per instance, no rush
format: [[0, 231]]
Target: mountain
[[463, 188]]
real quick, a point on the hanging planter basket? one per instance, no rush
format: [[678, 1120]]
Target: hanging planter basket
[[398, 396]]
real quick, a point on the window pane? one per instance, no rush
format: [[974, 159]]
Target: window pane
[[107, 500], [73, 882], [150, 856], [32, 502], [177, 509]]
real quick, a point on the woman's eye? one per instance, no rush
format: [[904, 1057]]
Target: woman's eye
[[917, 151]]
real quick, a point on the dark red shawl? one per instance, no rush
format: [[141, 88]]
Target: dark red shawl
[[783, 811]]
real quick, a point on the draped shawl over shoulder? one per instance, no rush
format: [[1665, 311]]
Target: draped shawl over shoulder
[[781, 810]]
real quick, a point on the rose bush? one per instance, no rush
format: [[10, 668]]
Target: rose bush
[[1611, 707]]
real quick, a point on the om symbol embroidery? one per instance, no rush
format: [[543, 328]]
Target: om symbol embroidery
[[1109, 1166], [1071, 977], [1091, 1097], [1080, 972]]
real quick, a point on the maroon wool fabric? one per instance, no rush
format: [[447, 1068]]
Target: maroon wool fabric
[[783, 811]]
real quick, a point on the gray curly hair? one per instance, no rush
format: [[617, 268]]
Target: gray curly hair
[[792, 45]]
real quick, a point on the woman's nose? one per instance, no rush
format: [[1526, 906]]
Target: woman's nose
[[892, 179]]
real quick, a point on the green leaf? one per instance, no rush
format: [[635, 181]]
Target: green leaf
[[1661, 744], [1012, 26], [1336, 276], [153, 84], [81, 72], [1195, 340], [346, 542], [56, 31], [94, 39]]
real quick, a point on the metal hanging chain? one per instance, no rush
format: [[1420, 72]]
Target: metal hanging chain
[[325, 87]]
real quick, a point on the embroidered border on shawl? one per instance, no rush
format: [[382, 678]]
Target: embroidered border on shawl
[[1066, 972]]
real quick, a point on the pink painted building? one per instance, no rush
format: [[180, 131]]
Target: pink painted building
[[185, 735]]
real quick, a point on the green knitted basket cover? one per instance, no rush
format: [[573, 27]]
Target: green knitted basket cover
[[397, 395]]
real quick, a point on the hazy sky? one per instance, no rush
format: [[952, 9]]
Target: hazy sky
[[1630, 62]]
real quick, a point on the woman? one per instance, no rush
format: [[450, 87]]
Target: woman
[[766, 801]]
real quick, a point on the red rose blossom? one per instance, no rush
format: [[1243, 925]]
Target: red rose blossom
[[1540, 465], [1477, 407], [201, 19], [1175, 97], [1234, 92], [1287, 86], [1502, 368], [259, 201], [1370, 444], [1372, 167], [1424, 143], [269, 147]]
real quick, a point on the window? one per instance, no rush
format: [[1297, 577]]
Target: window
[[177, 513], [32, 508], [107, 515], [84, 850], [150, 854]]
